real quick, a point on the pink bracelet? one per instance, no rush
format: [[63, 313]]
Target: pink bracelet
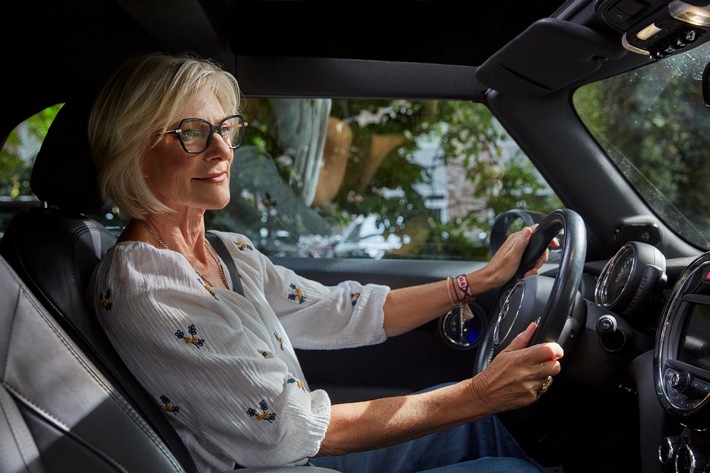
[[464, 288], [449, 290]]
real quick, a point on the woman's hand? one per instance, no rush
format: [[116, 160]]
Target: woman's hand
[[515, 377], [512, 380], [505, 263]]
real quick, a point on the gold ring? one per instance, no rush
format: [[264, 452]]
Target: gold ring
[[545, 385]]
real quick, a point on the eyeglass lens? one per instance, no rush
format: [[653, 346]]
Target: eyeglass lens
[[196, 133]]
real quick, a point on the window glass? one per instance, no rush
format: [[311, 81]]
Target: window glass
[[653, 124], [376, 178], [349, 178]]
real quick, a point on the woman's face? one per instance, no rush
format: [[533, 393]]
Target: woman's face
[[184, 181]]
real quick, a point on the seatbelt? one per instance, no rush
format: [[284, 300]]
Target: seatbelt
[[223, 253]]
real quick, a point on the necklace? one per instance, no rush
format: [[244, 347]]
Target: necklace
[[160, 241]]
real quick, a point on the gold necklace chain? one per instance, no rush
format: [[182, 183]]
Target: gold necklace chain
[[160, 241]]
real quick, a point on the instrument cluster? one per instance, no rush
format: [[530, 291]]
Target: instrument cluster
[[631, 278]]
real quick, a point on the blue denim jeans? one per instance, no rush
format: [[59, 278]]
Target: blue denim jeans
[[483, 446]]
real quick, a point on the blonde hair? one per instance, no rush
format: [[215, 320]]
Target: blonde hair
[[141, 99]]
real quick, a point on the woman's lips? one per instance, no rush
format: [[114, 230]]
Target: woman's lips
[[213, 178]]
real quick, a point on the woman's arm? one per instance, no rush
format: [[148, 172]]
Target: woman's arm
[[511, 381], [410, 307]]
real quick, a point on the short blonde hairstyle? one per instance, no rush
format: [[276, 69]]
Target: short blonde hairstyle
[[143, 97]]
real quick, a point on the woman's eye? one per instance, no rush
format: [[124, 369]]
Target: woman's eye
[[192, 134]]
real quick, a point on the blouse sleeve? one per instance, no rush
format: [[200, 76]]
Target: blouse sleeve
[[315, 316], [226, 378]]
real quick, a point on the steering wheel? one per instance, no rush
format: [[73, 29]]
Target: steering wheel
[[554, 303]]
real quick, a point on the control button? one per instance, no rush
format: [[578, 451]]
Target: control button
[[611, 337], [705, 271], [668, 448], [619, 16], [700, 387], [688, 384], [680, 380], [631, 7], [690, 459]]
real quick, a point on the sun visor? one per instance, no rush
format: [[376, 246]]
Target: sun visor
[[547, 56]]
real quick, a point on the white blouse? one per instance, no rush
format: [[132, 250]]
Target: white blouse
[[221, 365]]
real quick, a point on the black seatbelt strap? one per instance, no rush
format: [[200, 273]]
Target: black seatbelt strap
[[223, 253]]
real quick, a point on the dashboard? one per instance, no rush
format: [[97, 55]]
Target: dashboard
[[638, 292]]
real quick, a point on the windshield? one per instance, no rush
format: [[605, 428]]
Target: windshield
[[654, 126]]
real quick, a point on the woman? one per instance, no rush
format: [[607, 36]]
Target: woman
[[221, 364]]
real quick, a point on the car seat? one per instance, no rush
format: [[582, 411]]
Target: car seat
[[55, 248], [65, 390], [58, 412]]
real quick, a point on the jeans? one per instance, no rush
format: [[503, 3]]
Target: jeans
[[483, 446]]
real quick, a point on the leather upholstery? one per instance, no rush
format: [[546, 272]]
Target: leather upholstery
[[64, 174], [55, 252], [57, 410]]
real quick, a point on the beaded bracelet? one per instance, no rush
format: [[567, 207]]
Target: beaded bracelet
[[462, 282]]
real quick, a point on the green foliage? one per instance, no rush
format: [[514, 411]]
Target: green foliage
[[654, 127], [384, 177], [19, 151]]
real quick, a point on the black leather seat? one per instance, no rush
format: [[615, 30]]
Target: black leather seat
[[58, 412], [67, 401], [55, 248]]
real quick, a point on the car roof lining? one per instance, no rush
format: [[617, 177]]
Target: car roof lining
[[378, 43], [428, 31], [343, 78]]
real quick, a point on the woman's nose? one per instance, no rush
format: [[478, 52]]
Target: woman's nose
[[219, 147]]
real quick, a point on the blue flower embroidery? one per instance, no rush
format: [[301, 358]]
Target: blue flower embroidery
[[243, 246], [167, 405], [192, 338], [297, 294], [262, 413], [297, 382]]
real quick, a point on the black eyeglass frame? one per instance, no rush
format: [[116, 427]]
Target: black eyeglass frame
[[213, 128]]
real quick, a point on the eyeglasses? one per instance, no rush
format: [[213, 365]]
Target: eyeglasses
[[195, 134]]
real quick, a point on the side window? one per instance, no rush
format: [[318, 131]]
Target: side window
[[376, 178], [348, 178]]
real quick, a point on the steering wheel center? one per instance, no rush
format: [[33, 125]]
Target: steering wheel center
[[523, 304], [508, 314]]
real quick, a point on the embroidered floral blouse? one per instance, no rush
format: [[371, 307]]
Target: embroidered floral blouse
[[221, 365]]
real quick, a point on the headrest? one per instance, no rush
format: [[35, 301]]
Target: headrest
[[64, 174]]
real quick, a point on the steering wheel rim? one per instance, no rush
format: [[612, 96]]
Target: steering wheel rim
[[520, 297]]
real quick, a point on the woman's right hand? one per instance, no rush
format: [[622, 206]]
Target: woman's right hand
[[505, 262], [514, 378]]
